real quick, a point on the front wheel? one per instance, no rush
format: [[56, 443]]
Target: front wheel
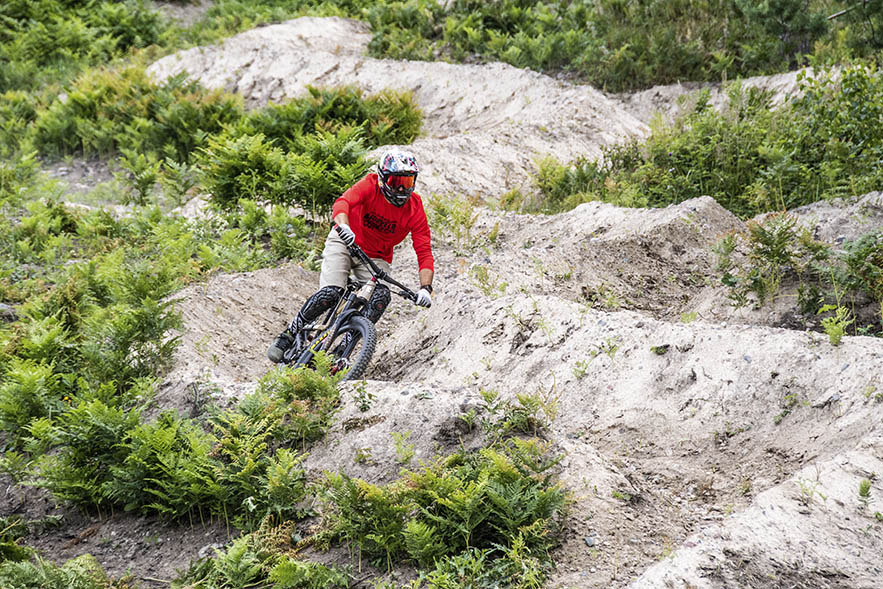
[[352, 347]]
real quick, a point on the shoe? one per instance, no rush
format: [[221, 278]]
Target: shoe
[[280, 345]]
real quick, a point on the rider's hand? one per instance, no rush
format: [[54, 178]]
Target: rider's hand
[[346, 234], [423, 298]]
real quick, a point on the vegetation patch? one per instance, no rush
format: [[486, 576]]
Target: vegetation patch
[[842, 287], [244, 469], [750, 158], [496, 507], [597, 42]]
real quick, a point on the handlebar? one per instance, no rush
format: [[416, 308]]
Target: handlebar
[[378, 273]]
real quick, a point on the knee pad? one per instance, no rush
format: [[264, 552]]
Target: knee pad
[[317, 304], [378, 303]]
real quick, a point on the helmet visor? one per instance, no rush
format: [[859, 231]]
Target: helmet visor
[[401, 183]]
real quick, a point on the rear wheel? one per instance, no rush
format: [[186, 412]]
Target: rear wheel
[[353, 347]]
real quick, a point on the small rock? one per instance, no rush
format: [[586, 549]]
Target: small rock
[[589, 541], [7, 313], [208, 550]]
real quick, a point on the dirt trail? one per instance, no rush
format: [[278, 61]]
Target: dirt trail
[[706, 450]]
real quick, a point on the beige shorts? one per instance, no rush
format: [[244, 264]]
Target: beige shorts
[[338, 264]]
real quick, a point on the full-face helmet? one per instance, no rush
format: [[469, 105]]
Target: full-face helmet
[[397, 175]]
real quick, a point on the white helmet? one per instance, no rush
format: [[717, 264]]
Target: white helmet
[[397, 173]]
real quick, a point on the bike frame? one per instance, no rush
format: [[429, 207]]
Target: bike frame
[[349, 304]]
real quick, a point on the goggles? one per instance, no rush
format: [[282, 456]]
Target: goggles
[[401, 182]]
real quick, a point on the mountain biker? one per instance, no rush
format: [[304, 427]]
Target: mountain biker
[[376, 213]]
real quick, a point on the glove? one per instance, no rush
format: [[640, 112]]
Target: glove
[[346, 234], [423, 298]]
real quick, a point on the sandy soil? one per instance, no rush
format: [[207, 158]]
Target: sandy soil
[[707, 450]]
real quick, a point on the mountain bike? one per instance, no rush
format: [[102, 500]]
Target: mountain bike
[[344, 333]]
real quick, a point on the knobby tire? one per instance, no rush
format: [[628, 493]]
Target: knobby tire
[[363, 330]]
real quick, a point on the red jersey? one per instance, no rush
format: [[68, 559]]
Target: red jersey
[[380, 226]]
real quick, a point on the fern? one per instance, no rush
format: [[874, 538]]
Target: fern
[[422, 542]]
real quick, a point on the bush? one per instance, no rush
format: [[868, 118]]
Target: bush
[[490, 500], [107, 111], [863, 265], [47, 41], [244, 167], [313, 177], [777, 251], [324, 166], [16, 176], [17, 111], [92, 436], [307, 398], [29, 390], [750, 158], [242, 469], [257, 559], [680, 40], [123, 343], [82, 572], [166, 469], [386, 118]]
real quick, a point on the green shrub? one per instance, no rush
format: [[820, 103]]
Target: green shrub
[[142, 174], [123, 342], [252, 481], [48, 41], [232, 251], [257, 559], [288, 235], [313, 176], [110, 110], [16, 176], [298, 574], [323, 166], [514, 567], [13, 529], [166, 469], [241, 470], [863, 265], [307, 398], [246, 167], [680, 40], [487, 500], [750, 158], [17, 111], [82, 572], [92, 435], [29, 390], [777, 250], [386, 118]]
